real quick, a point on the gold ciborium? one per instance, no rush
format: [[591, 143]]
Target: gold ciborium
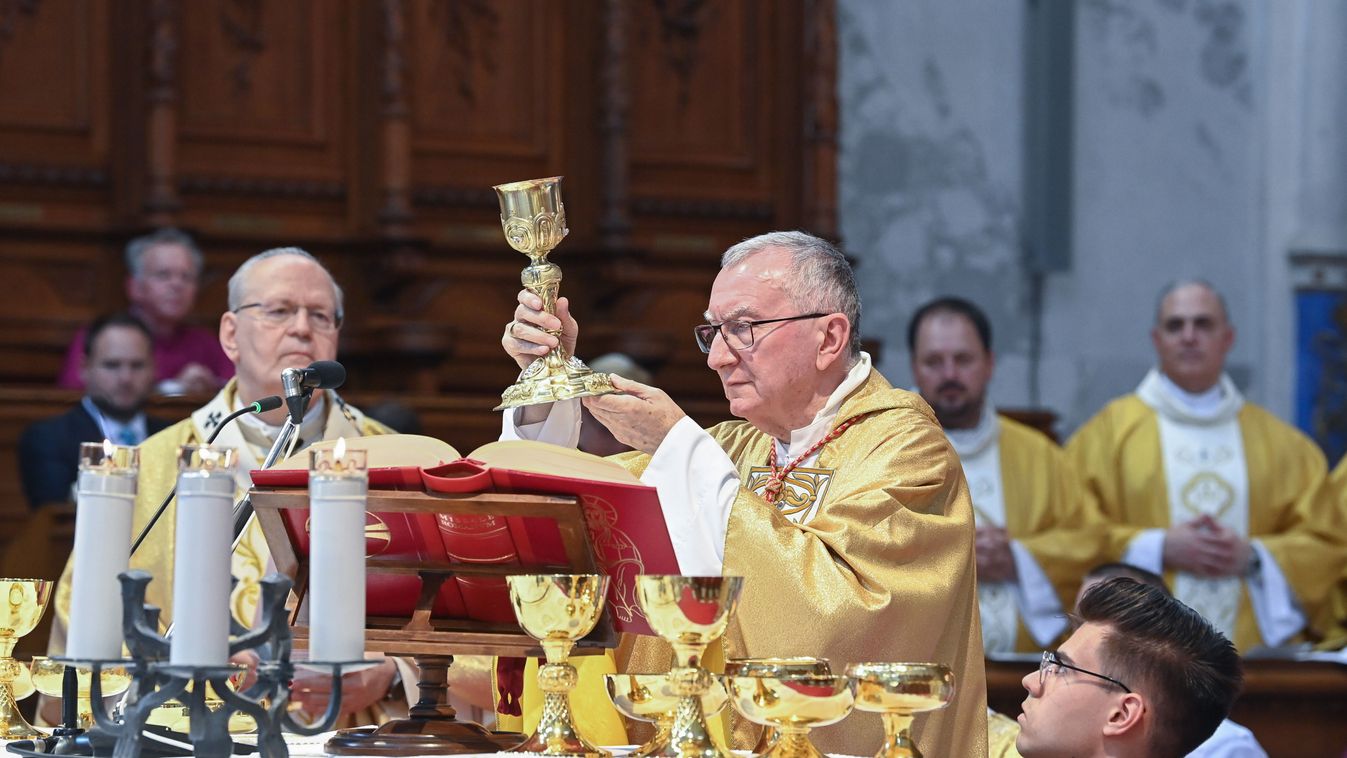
[[49, 676], [557, 610], [898, 691], [689, 612], [791, 704], [534, 221], [26, 601], [651, 697], [797, 666]]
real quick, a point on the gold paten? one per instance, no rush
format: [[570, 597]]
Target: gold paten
[[534, 220], [898, 691], [21, 606], [557, 610], [792, 704]]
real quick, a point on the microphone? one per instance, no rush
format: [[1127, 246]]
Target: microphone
[[299, 383], [268, 403]]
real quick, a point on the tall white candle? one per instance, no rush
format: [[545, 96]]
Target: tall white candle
[[338, 486], [201, 553], [105, 499]]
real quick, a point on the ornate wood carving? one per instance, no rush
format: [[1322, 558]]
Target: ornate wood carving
[[471, 30], [680, 28], [54, 176], [161, 133], [615, 101], [396, 214], [241, 22], [456, 197], [256, 186], [710, 209], [819, 180]]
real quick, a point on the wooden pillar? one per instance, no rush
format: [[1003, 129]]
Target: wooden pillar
[[395, 215], [614, 105], [161, 134], [819, 179]]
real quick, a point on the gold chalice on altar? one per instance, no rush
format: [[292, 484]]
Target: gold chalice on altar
[[49, 678], [689, 612], [796, 666], [898, 691], [651, 697], [26, 601], [175, 715], [792, 704], [557, 610], [534, 220]]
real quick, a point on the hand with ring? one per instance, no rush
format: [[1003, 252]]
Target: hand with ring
[[527, 338]]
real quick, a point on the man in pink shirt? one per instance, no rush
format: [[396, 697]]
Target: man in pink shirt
[[164, 271]]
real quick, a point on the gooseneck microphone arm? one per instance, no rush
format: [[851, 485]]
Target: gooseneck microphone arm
[[269, 403]]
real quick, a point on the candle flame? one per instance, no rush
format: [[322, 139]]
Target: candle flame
[[108, 448], [339, 450]]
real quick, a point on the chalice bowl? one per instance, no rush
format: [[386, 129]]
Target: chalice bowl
[[795, 666], [26, 601], [651, 697], [689, 612], [557, 610], [792, 704], [898, 691], [534, 220], [49, 678]]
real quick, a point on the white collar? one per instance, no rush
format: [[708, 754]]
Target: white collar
[[804, 438], [969, 442], [1215, 405]]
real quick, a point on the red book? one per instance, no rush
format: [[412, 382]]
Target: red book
[[624, 518]]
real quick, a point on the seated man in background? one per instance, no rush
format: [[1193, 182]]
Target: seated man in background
[[1033, 541], [1196, 481], [164, 270], [1143, 675], [117, 367]]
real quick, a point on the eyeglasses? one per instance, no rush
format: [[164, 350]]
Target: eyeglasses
[[738, 334], [1051, 661], [282, 314]]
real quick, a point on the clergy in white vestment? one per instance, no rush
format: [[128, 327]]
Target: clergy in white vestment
[[1220, 495], [1034, 540]]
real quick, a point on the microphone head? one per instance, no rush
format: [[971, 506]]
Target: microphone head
[[331, 374], [268, 403]]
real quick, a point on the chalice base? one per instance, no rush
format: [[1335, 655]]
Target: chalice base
[[13, 726], [422, 736], [657, 744], [897, 741], [555, 376], [792, 745]]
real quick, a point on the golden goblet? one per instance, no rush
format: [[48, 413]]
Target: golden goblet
[[28, 599], [534, 220], [689, 612], [651, 697], [792, 705], [49, 678], [898, 691], [796, 666], [557, 610]]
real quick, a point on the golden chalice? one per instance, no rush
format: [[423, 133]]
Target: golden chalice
[[174, 715], [651, 697], [534, 220], [689, 612], [557, 610], [898, 691], [28, 599], [791, 704], [49, 678], [795, 666]]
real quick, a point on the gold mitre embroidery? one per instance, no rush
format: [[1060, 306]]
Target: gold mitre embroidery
[[804, 491]]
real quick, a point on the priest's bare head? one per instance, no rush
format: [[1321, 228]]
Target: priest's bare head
[[285, 311], [118, 365], [950, 340], [782, 328], [1142, 675], [1192, 334]]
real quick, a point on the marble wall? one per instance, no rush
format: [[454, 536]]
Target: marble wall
[[1188, 121]]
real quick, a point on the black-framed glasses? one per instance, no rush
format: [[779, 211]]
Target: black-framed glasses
[[738, 334], [1051, 661], [283, 313]]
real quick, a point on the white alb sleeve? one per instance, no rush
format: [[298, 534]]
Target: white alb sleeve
[[1037, 599], [561, 427], [697, 484]]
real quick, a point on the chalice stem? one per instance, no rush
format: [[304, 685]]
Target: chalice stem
[[13, 726], [657, 743], [793, 743], [690, 737], [897, 743]]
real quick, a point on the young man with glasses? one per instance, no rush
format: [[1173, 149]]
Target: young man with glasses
[[1143, 675], [836, 496]]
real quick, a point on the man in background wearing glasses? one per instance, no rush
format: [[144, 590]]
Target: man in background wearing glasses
[[837, 497], [285, 311], [1143, 675]]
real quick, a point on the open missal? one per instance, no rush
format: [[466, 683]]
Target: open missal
[[623, 517]]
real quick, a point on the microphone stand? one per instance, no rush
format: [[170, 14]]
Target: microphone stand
[[243, 509]]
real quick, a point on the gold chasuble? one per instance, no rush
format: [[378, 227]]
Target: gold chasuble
[[1117, 455], [1334, 617], [158, 474], [882, 570], [1045, 511]]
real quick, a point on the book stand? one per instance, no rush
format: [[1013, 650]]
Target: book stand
[[431, 726]]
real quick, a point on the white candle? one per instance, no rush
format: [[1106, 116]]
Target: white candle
[[105, 499], [337, 495], [201, 557]]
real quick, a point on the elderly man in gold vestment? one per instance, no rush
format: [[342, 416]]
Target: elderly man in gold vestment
[[1213, 490], [1033, 539], [285, 311], [837, 496]]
